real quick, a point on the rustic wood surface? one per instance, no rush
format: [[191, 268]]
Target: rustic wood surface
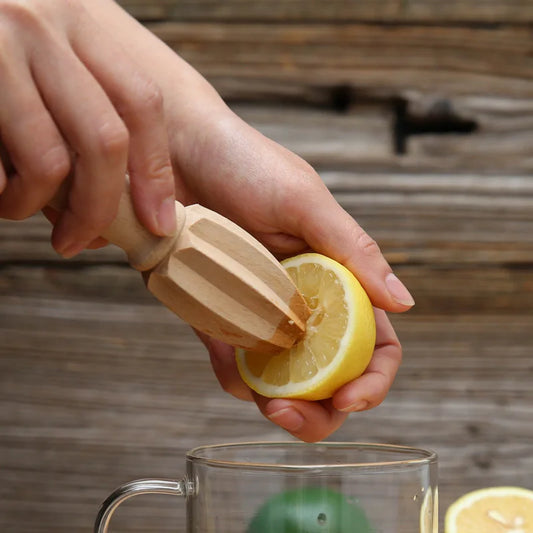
[[485, 11], [420, 121]]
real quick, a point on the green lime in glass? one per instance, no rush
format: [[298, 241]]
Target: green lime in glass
[[310, 510]]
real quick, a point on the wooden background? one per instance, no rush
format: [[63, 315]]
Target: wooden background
[[419, 116]]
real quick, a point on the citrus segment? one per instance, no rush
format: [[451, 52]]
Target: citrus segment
[[339, 339], [492, 510]]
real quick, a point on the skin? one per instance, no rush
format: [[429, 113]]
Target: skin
[[99, 95]]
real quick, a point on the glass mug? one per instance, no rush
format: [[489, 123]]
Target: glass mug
[[295, 487]]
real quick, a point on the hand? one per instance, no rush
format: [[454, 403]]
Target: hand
[[218, 161], [279, 198], [227, 166], [73, 101], [224, 164]]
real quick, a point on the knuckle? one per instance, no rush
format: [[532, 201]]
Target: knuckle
[[20, 13], [232, 388], [112, 138], [8, 211], [35, 11], [227, 387], [367, 244], [54, 164], [156, 170], [307, 175], [146, 95], [25, 18], [160, 170]]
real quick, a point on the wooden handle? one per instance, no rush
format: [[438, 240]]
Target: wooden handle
[[144, 249]]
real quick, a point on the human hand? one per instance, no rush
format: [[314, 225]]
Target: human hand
[[222, 163], [74, 102], [282, 201]]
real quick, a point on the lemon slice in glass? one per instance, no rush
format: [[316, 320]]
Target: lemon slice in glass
[[339, 339]]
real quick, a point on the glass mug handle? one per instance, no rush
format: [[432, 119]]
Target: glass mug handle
[[136, 488]]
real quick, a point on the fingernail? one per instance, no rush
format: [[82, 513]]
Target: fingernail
[[166, 217], [288, 418], [398, 291], [360, 405]]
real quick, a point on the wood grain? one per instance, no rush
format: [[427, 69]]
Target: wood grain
[[430, 59], [100, 384], [487, 11], [363, 136], [437, 219], [97, 390]]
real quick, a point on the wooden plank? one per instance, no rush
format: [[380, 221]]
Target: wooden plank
[[100, 384], [446, 288], [440, 219], [447, 215], [363, 137], [323, 137], [94, 393], [393, 59], [502, 137], [386, 11]]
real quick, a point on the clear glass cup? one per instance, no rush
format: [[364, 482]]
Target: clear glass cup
[[295, 487]]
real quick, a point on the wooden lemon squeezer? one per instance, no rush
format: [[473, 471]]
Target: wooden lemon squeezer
[[214, 276], [211, 273]]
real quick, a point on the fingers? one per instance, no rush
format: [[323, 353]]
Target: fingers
[[39, 159], [332, 231], [95, 133], [53, 216], [65, 105], [371, 388], [139, 102], [307, 421], [314, 421]]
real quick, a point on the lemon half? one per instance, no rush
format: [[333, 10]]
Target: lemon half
[[492, 510], [339, 339]]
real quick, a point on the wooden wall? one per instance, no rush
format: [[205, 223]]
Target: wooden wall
[[419, 117]]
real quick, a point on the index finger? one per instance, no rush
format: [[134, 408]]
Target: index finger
[[139, 102]]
